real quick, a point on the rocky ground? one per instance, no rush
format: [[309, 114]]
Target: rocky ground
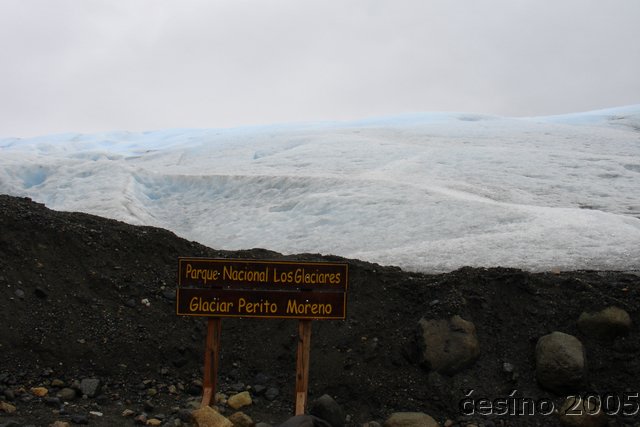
[[88, 332]]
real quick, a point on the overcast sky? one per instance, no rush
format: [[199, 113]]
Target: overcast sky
[[97, 65]]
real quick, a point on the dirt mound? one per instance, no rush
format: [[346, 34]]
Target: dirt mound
[[82, 297]]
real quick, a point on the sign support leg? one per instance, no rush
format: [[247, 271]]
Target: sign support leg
[[302, 365], [211, 358]]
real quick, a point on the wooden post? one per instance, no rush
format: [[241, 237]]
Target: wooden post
[[302, 365], [211, 358]]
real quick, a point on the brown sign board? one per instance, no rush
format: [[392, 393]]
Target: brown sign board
[[261, 289]]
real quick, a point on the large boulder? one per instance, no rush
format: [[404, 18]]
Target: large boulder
[[327, 408], [608, 323], [447, 346], [560, 362], [410, 419]]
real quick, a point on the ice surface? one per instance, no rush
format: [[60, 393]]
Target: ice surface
[[428, 192]]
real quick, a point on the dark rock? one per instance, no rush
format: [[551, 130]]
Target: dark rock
[[66, 394], [507, 367], [237, 387], [51, 401], [9, 394], [19, 293], [141, 419], [261, 379], [406, 419], [327, 408], [185, 416], [195, 388], [259, 390], [79, 419], [90, 387], [102, 399], [272, 393], [180, 362], [40, 293]]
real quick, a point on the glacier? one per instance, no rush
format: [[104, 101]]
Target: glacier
[[428, 192]]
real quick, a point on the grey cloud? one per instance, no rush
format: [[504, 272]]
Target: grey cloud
[[91, 65]]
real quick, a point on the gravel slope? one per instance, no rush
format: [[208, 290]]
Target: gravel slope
[[71, 287]]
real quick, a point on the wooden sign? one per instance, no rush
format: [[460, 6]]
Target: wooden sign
[[217, 288], [262, 289]]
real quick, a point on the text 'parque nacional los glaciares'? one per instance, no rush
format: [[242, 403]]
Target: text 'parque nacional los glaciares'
[[268, 289]]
